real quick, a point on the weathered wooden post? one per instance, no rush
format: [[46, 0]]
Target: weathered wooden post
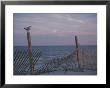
[[30, 50], [77, 51]]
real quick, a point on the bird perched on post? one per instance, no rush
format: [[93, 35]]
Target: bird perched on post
[[27, 28], [30, 49]]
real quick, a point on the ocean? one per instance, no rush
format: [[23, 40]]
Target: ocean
[[57, 51]]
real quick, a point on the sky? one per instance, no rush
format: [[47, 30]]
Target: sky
[[55, 28]]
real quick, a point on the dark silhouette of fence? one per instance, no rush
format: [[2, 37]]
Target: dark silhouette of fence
[[21, 60], [64, 63]]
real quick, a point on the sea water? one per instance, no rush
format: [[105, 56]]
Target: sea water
[[57, 51]]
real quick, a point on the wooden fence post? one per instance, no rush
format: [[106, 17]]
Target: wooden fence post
[[77, 51], [30, 50]]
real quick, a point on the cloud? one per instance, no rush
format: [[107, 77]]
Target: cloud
[[56, 25]]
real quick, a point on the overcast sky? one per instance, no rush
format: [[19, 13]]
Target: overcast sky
[[56, 28]]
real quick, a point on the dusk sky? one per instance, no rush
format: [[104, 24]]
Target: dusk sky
[[55, 28]]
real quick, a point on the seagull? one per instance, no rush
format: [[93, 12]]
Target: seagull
[[27, 28]]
